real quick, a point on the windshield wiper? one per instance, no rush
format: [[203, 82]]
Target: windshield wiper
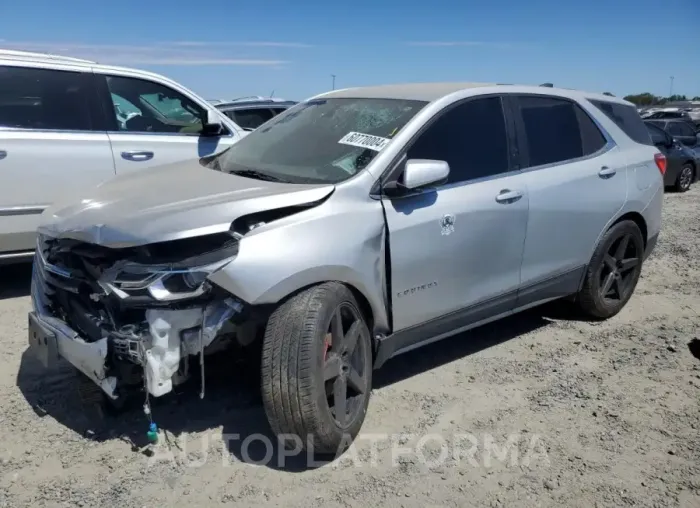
[[253, 173]]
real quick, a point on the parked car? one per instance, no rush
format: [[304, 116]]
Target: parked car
[[251, 113], [355, 226], [682, 163], [67, 125], [681, 130], [668, 114]]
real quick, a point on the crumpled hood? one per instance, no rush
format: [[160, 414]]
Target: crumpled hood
[[168, 203]]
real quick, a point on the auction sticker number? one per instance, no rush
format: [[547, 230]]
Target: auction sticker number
[[368, 141]]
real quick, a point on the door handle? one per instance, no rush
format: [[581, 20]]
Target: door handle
[[507, 196], [3, 154], [606, 172], [137, 156]]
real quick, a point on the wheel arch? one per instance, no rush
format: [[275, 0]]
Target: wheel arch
[[638, 219], [372, 306], [365, 307], [633, 216]]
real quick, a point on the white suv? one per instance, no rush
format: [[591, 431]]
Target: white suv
[[68, 124]]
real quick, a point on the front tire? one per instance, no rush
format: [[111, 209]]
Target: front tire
[[613, 271], [317, 368]]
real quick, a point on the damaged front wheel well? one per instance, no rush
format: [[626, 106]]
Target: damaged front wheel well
[[362, 301]]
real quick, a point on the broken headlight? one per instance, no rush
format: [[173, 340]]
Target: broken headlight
[[179, 285], [161, 283], [171, 271]]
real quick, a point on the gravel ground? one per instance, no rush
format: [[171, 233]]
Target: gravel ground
[[598, 414]]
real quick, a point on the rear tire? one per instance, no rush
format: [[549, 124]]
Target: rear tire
[[685, 178], [317, 368], [613, 271]]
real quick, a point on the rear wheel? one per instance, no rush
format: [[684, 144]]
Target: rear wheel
[[317, 368], [685, 178], [613, 272]]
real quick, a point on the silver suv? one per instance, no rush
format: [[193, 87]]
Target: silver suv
[[251, 112], [67, 125], [351, 228]]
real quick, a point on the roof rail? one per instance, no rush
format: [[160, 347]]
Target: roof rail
[[250, 98], [17, 54]]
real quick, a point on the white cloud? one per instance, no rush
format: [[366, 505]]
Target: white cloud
[[185, 53], [459, 43], [253, 44]]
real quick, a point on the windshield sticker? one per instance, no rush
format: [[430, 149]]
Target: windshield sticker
[[368, 141]]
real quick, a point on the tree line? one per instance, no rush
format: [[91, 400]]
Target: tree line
[[649, 99]]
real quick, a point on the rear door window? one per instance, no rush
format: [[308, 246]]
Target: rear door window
[[674, 128], [626, 118], [681, 129], [45, 99], [556, 130]]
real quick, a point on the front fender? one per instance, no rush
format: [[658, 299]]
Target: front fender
[[341, 240]]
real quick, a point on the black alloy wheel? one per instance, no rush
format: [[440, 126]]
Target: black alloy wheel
[[613, 271], [344, 368], [317, 368], [617, 273], [685, 178]]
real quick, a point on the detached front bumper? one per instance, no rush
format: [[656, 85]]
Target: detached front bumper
[[51, 339], [48, 342], [171, 335]]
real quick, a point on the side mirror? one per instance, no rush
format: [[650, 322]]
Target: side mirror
[[212, 125], [418, 173]]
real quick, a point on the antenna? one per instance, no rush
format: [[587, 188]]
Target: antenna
[[272, 93]]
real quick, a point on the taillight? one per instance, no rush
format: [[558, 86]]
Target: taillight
[[660, 160]]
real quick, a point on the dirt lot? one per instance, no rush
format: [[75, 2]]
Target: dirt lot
[[599, 415]]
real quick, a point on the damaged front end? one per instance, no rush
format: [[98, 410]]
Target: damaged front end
[[133, 317]]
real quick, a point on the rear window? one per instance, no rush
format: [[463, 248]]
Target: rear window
[[252, 118], [626, 118], [45, 99]]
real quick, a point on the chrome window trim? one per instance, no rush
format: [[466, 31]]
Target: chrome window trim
[[51, 131], [473, 181], [11, 211], [169, 134], [605, 149], [139, 133]]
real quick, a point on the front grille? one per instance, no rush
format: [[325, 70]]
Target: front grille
[[67, 273]]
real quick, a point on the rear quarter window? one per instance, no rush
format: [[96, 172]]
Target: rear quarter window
[[626, 118]]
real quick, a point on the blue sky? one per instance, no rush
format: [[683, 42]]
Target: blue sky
[[224, 49]]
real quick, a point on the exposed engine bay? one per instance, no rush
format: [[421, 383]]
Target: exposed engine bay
[[137, 315]]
